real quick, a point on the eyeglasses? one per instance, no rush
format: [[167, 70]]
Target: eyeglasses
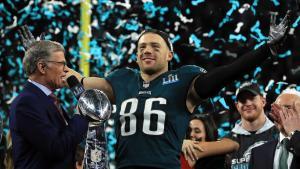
[[63, 63]]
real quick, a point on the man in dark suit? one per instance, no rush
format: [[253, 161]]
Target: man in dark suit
[[43, 137], [285, 152]]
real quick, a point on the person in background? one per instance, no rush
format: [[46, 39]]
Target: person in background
[[201, 128], [284, 152], [254, 128]]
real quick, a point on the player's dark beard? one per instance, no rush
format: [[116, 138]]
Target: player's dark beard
[[251, 119], [150, 71]]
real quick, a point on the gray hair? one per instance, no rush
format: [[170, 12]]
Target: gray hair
[[40, 50], [291, 91]]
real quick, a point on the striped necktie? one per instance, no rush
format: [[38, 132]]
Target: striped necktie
[[58, 106], [284, 154]]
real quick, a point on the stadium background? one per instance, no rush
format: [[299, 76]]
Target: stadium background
[[208, 33]]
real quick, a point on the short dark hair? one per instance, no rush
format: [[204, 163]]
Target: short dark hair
[[162, 34]]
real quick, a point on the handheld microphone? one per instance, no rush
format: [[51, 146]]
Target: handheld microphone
[[75, 86]]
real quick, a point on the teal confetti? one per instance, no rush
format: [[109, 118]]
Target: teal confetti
[[7, 42], [286, 54], [234, 6], [257, 71], [257, 30], [20, 66], [196, 2], [253, 10], [176, 38], [211, 33], [225, 124], [238, 37], [278, 89], [214, 52], [275, 2], [225, 20], [216, 98], [132, 25], [223, 102], [296, 23], [176, 57], [260, 44], [195, 40], [150, 8], [163, 10], [255, 3], [105, 16], [188, 11]]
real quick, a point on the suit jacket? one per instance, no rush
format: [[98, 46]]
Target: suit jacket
[[262, 157], [40, 137]]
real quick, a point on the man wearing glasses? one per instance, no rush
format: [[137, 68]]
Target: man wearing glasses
[[42, 134]]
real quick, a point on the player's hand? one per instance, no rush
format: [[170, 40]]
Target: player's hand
[[275, 115], [27, 38], [290, 119], [70, 72], [275, 109], [189, 148], [278, 32]]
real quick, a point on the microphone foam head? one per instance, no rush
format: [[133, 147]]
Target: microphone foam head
[[72, 81]]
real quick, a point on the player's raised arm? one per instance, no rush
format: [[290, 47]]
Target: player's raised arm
[[208, 84], [93, 83]]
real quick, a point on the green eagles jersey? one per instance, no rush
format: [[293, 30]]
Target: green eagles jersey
[[151, 118]]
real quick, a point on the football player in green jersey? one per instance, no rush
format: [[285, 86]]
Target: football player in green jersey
[[154, 103]]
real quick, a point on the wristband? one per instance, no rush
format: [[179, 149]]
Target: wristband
[[81, 81]]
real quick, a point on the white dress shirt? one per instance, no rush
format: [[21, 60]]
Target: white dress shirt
[[42, 87]]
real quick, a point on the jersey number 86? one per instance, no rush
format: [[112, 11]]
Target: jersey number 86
[[148, 111]]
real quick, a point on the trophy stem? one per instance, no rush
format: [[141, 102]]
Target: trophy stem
[[96, 154]]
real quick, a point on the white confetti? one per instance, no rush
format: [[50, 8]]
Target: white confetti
[[238, 27], [127, 4], [245, 7]]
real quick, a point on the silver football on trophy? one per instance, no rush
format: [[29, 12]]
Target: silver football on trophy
[[95, 104]]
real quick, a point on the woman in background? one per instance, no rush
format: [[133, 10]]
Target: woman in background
[[202, 128]]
